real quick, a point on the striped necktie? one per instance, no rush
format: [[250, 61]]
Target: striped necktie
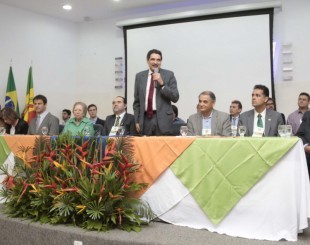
[[117, 121]]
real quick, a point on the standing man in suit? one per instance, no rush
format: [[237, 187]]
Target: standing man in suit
[[155, 89], [209, 121], [43, 118], [119, 118], [304, 133], [261, 121], [92, 111]]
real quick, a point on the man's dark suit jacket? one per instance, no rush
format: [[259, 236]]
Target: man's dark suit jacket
[[164, 96], [128, 122], [304, 133], [100, 121], [20, 128]]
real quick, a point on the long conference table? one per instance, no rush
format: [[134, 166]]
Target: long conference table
[[256, 188]]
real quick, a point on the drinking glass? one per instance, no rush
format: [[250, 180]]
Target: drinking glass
[[282, 130], [121, 130], [234, 131], [44, 130], [288, 131], [2, 130], [242, 130], [86, 131], [184, 130]]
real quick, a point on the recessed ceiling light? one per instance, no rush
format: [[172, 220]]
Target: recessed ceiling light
[[67, 7], [116, 0]]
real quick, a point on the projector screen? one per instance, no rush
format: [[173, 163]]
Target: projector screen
[[227, 54]]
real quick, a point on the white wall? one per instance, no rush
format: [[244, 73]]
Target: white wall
[[291, 26], [76, 61], [50, 45]]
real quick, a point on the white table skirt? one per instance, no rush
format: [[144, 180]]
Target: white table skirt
[[276, 208]]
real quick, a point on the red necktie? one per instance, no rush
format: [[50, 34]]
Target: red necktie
[[149, 111]]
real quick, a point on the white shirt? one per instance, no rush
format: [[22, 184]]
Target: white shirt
[[121, 116], [263, 114], [147, 92], [42, 116]]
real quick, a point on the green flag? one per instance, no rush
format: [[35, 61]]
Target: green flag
[[11, 94]]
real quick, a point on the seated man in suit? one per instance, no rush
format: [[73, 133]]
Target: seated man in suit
[[235, 111], [177, 122], [43, 118], [92, 111], [304, 133], [261, 121], [119, 118], [209, 121]]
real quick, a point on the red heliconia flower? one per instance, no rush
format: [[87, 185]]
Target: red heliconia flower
[[9, 182], [85, 144]]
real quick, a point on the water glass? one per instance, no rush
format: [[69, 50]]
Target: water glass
[[44, 130], [184, 130], [234, 130], [288, 131], [242, 130], [86, 131], [121, 130], [2, 130], [282, 130]]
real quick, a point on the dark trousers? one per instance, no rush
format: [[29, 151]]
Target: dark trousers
[[150, 126]]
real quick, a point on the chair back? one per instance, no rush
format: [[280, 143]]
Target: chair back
[[61, 127], [98, 128]]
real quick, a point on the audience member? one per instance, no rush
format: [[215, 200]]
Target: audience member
[[234, 111], [14, 124], [43, 118], [176, 119], [66, 114], [79, 124], [261, 121], [92, 111], [295, 118], [304, 133], [177, 122], [155, 89], [2, 123], [209, 121], [120, 118], [271, 105]]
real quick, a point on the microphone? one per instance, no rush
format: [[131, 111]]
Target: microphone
[[156, 70]]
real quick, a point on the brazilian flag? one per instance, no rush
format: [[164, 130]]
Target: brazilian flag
[[11, 94]]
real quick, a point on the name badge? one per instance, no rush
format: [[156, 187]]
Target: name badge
[[259, 132], [114, 131], [206, 132]]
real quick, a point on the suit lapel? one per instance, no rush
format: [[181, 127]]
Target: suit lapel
[[251, 123], [199, 128], [124, 120], [213, 122], [144, 82], [267, 122]]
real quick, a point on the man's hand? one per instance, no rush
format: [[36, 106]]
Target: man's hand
[[157, 77], [307, 149]]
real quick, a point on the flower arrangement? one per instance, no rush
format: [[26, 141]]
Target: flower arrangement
[[71, 180]]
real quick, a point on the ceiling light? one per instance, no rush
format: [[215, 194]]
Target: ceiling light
[[67, 7]]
